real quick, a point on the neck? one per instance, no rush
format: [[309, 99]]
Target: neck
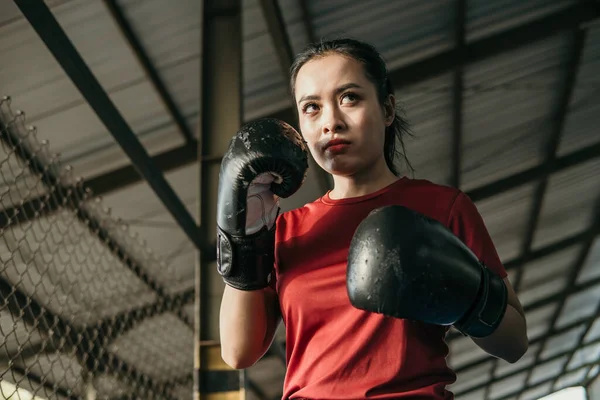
[[365, 182]]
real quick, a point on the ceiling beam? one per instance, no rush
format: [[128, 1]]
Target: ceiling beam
[[147, 65], [551, 248], [127, 175], [51, 33], [497, 44], [535, 173]]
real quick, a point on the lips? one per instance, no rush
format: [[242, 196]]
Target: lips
[[336, 142]]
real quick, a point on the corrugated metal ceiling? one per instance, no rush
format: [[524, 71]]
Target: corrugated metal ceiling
[[509, 106]]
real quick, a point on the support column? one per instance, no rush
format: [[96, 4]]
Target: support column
[[221, 118]]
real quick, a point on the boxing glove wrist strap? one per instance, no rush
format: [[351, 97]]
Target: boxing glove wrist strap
[[489, 307], [246, 262]]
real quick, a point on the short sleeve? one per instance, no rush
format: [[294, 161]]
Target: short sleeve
[[466, 223], [281, 232]]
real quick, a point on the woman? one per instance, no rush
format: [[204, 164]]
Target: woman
[[347, 116]]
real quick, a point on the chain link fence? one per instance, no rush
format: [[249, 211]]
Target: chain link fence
[[84, 313]]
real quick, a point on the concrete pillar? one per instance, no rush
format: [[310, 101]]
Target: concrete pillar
[[221, 117]]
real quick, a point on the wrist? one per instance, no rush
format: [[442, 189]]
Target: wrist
[[246, 262], [488, 309]]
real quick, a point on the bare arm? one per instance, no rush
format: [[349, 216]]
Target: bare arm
[[509, 342], [248, 321]]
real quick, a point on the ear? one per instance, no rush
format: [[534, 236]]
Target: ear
[[389, 109]]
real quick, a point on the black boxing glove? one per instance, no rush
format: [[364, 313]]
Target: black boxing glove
[[266, 160], [405, 265]]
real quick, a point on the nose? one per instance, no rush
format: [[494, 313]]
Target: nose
[[332, 121]]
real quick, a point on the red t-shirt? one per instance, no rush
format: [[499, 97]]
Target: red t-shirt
[[335, 351]]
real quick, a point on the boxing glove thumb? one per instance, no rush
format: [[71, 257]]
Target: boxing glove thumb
[[266, 159]]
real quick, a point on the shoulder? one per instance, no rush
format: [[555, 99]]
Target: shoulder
[[457, 204], [433, 199], [464, 212], [293, 217], [426, 188], [290, 222]]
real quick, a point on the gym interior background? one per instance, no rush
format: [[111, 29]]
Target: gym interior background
[[114, 118]]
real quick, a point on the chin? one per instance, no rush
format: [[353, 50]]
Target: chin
[[341, 167]]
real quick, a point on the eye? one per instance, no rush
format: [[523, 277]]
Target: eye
[[349, 97], [309, 108]]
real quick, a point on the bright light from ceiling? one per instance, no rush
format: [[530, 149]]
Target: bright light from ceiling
[[8, 391], [572, 393]]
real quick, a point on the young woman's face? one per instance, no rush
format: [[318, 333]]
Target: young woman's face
[[341, 117]]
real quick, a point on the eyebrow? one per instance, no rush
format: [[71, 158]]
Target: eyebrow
[[337, 91]]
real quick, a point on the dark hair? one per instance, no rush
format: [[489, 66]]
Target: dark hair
[[376, 71]]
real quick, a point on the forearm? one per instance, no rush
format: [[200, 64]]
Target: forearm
[[243, 326], [509, 341]]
